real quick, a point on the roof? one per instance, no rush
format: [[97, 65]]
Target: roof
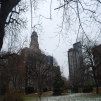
[[34, 33]]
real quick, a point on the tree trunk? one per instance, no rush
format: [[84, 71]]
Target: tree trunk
[[96, 83], [97, 87], [3, 16], [6, 8], [1, 34]]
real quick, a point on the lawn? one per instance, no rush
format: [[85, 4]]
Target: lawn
[[30, 98], [70, 97]]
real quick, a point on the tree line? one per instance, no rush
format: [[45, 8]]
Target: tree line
[[87, 75], [29, 72]]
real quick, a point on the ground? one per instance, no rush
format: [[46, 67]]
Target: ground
[[69, 97]]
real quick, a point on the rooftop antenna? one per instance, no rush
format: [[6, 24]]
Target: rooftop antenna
[[34, 28]]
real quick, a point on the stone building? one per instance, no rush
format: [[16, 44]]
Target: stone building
[[35, 61], [29, 58], [34, 45], [26, 69]]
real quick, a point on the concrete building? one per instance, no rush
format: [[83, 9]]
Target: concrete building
[[75, 59]]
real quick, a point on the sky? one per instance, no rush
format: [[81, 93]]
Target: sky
[[51, 39], [57, 43]]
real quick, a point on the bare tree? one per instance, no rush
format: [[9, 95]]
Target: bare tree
[[41, 71], [11, 71], [6, 8], [97, 56], [9, 16], [38, 72], [12, 68], [16, 71], [91, 65], [74, 11], [80, 15]]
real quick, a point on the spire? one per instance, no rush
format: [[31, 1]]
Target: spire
[[34, 28], [34, 34], [34, 45]]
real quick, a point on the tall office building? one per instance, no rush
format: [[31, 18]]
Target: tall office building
[[75, 59]]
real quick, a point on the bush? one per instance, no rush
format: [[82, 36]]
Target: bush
[[2, 91], [12, 97], [87, 89], [74, 89], [45, 89], [56, 92], [29, 90]]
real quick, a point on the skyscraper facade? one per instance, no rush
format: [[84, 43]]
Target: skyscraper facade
[[75, 59]]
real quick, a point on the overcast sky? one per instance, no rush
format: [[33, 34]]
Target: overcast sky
[[51, 40], [54, 42]]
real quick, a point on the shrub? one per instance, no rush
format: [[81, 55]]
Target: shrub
[[56, 92], [87, 89], [29, 90], [2, 91], [45, 89], [74, 89]]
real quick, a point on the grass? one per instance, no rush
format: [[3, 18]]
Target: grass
[[34, 97], [70, 97], [26, 98]]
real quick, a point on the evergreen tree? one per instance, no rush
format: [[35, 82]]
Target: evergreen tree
[[58, 82]]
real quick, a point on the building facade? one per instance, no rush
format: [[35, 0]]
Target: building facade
[[75, 62], [38, 65], [50, 60], [34, 45]]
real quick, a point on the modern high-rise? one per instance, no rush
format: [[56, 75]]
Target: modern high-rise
[[75, 59]]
